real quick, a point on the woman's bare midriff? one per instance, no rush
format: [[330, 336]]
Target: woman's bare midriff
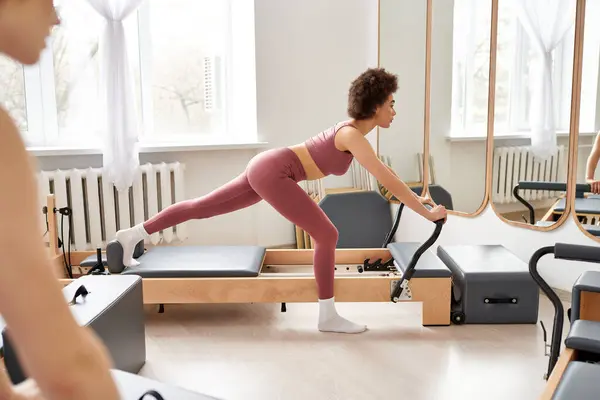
[[310, 167]]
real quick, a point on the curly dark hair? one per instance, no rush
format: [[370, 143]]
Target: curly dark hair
[[370, 90]]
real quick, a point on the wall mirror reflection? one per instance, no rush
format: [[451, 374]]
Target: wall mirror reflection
[[534, 72], [460, 60]]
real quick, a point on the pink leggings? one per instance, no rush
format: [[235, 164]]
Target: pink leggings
[[271, 176]]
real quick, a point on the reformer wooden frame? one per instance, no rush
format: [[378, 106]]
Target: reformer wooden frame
[[433, 293]]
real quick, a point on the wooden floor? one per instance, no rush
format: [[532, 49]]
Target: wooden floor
[[256, 352]]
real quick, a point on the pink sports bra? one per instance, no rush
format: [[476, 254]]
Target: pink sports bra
[[328, 158]]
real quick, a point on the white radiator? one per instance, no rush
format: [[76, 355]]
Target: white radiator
[[99, 210], [514, 164]]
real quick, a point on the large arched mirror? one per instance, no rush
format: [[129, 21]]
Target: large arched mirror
[[460, 60], [586, 202], [402, 51], [532, 117]]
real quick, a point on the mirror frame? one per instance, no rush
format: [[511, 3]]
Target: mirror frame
[[576, 111]]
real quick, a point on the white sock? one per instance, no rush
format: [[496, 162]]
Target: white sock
[[330, 321], [129, 238]]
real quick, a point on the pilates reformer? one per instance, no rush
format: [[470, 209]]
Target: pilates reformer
[[587, 208], [254, 274], [574, 373]]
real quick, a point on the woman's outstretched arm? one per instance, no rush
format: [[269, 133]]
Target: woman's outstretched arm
[[67, 361], [592, 163], [361, 149]]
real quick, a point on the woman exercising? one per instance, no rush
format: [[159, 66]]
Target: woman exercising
[[64, 360], [273, 176], [592, 163]]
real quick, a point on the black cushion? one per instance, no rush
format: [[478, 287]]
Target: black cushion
[[580, 381], [589, 205], [584, 336], [363, 219], [132, 387], [92, 260], [588, 281], [199, 261], [428, 265]]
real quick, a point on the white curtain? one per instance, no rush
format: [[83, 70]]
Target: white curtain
[[546, 23], [120, 127]]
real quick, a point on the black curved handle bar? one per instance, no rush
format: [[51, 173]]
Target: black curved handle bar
[[392, 232], [410, 270], [561, 251], [541, 185], [152, 393]]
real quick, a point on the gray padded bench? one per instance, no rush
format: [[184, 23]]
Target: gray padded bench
[[580, 381], [584, 336], [113, 309], [428, 266], [190, 261], [490, 285], [586, 205], [132, 387]]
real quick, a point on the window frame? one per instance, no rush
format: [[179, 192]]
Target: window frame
[[239, 90]]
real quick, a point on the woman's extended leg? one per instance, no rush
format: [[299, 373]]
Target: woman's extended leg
[[283, 193], [232, 196]]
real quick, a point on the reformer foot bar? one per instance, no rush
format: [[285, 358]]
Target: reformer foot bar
[[575, 373], [253, 274]]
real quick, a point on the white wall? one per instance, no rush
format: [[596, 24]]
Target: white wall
[[402, 51], [307, 53]]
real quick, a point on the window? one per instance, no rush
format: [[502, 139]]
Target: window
[[515, 59], [12, 95], [181, 53]]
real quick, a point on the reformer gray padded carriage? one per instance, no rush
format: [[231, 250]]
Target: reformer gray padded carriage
[[580, 381], [190, 261], [587, 205], [113, 309], [132, 387], [490, 285]]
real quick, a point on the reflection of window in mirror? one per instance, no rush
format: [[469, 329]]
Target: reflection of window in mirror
[[534, 71], [587, 197], [460, 59]]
